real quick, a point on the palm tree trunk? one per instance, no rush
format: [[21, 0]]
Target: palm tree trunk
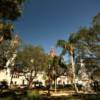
[[73, 71]]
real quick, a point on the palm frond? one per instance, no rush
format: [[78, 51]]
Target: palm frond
[[73, 38], [61, 43]]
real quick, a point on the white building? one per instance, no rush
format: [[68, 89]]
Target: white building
[[19, 78]]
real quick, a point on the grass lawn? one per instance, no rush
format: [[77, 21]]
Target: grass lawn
[[42, 95]]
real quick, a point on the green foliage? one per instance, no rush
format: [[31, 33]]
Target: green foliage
[[33, 95], [96, 20], [4, 82], [6, 51], [10, 9], [6, 30], [96, 75], [57, 68], [29, 53], [65, 45], [31, 60]]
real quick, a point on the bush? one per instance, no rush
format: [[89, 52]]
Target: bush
[[69, 86], [4, 84], [33, 95]]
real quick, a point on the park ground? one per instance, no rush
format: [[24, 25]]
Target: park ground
[[43, 95]]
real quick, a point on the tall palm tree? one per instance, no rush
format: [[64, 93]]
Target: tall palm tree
[[68, 46]]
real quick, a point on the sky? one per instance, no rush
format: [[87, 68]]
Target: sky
[[43, 22]]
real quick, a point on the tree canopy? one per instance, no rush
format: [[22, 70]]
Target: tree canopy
[[10, 10], [31, 60]]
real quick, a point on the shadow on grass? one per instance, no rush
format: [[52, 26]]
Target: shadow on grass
[[83, 96], [34, 95]]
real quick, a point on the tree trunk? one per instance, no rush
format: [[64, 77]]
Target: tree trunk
[[55, 82], [30, 80], [11, 82], [30, 84], [73, 71]]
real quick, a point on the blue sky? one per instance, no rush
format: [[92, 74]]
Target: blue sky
[[43, 22]]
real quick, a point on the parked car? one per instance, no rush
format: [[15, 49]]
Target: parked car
[[68, 86], [3, 85], [79, 86], [22, 87], [95, 85], [38, 85]]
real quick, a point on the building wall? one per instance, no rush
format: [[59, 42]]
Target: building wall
[[19, 80], [62, 80]]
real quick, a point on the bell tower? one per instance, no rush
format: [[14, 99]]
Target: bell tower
[[52, 52]]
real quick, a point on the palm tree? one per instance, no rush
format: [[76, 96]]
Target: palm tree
[[69, 46]]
